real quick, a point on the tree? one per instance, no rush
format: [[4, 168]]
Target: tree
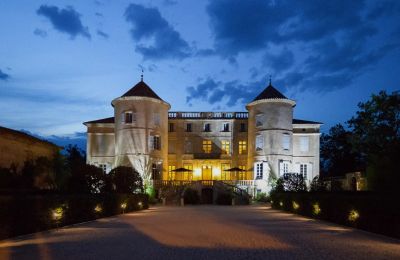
[[125, 180], [83, 178], [337, 154], [376, 135]]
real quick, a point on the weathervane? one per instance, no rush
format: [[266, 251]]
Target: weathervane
[[270, 80], [141, 76]]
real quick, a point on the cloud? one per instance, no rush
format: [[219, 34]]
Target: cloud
[[322, 45], [65, 20], [99, 14], [279, 62], [40, 33], [233, 92], [102, 34], [4, 76], [156, 39]]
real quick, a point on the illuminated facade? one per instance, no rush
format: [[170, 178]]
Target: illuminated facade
[[248, 149]]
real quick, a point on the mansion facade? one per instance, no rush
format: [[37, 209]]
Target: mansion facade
[[248, 149]]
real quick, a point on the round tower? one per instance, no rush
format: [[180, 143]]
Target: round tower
[[141, 131], [270, 134]]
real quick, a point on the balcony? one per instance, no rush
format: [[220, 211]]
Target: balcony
[[208, 115]]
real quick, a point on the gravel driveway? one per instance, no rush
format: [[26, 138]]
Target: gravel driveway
[[203, 232]]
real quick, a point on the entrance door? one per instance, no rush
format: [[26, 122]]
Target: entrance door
[[207, 173]]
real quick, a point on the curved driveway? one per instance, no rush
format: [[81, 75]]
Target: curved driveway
[[203, 232]]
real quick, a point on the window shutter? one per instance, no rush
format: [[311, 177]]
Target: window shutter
[[309, 171], [265, 171], [151, 143], [280, 168]]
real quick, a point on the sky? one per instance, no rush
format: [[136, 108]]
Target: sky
[[63, 62]]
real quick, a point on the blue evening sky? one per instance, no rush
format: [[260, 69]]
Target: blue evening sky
[[62, 62]]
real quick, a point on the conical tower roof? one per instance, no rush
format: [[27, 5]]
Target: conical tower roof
[[141, 89], [270, 93]]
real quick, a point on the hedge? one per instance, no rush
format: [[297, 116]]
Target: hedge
[[22, 214], [374, 212]]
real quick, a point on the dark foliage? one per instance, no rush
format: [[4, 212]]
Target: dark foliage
[[124, 180], [376, 134], [337, 154], [27, 213], [377, 212]]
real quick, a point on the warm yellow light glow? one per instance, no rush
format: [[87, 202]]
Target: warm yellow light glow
[[281, 204], [216, 173], [98, 208], [123, 205], [295, 205], [140, 204], [316, 209], [57, 213], [197, 173], [353, 215]]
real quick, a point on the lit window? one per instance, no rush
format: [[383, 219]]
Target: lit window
[[226, 147], [155, 142], [286, 141], [259, 143], [259, 171], [188, 176], [188, 127], [225, 127], [207, 127], [304, 143], [171, 172], [259, 120], [242, 147], [171, 127], [242, 174], [242, 127], [303, 170], [225, 175], [207, 146], [156, 117]]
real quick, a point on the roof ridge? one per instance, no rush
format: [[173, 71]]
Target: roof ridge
[[270, 92]]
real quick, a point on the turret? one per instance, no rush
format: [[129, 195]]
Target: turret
[[270, 133], [141, 131]]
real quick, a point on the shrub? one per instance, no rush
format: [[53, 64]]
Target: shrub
[[22, 213], [261, 197], [375, 212]]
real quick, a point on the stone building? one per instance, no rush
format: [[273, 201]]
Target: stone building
[[247, 149]]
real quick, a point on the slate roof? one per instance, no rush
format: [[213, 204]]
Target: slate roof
[[270, 93], [108, 120], [300, 121], [141, 89]]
